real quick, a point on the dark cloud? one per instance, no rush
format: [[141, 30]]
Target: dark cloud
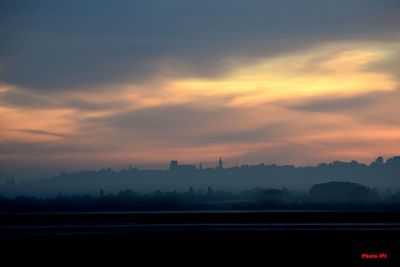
[[178, 124], [188, 125], [332, 104], [83, 105], [390, 65], [379, 107], [173, 117], [26, 99], [51, 45], [41, 132]]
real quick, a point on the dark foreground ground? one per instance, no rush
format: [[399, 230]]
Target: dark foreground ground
[[207, 238]]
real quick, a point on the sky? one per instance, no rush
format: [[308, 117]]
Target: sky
[[93, 84]]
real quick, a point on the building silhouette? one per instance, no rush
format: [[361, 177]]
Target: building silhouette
[[220, 164], [175, 166]]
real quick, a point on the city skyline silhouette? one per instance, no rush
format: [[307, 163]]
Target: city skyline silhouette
[[380, 174]]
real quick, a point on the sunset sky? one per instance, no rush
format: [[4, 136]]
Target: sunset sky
[[93, 84]]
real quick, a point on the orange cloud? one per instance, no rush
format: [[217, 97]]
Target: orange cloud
[[241, 111], [333, 69]]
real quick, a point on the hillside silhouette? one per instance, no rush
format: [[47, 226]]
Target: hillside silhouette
[[380, 174], [325, 196]]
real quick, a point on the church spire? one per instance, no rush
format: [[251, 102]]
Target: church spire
[[220, 164]]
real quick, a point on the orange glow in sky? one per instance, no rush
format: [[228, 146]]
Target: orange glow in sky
[[247, 111]]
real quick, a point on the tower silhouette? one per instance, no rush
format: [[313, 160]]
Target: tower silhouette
[[220, 164]]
